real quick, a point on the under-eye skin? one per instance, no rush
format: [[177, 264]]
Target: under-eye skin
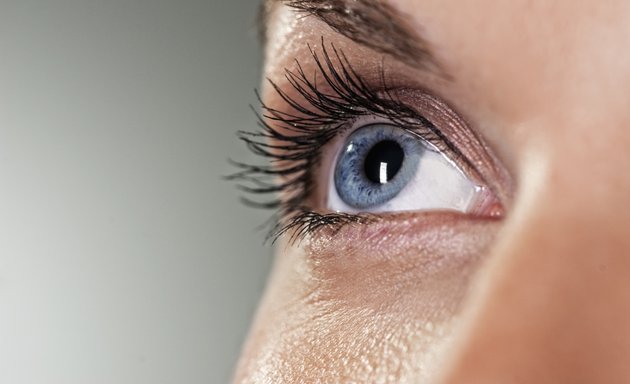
[[398, 149]]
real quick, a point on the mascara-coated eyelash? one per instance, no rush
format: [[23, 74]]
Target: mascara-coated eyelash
[[292, 138]]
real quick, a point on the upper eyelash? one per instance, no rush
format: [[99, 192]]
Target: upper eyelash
[[293, 156]]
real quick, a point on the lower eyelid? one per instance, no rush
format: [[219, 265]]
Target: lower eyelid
[[423, 245]]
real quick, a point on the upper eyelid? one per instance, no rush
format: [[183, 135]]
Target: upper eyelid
[[344, 82], [346, 86]]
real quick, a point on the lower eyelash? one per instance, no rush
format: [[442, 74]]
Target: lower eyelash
[[293, 156], [307, 222]]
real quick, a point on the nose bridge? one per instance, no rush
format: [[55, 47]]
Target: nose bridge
[[553, 304]]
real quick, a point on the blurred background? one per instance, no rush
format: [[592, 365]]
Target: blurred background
[[124, 257]]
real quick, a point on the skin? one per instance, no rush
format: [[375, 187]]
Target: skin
[[540, 296]]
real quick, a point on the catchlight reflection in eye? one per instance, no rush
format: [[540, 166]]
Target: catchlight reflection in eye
[[384, 168]]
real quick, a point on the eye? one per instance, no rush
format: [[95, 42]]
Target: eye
[[340, 144], [386, 168]]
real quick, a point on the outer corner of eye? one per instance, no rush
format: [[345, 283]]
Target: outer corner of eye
[[386, 168]]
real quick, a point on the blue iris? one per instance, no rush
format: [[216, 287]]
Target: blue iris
[[376, 163]]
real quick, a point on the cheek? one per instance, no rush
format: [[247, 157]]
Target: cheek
[[306, 330], [319, 343], [377, 310]]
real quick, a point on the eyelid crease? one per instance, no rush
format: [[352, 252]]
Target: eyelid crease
[[292, 137]]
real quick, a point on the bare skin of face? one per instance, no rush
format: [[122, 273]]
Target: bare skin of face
[[539, 295]]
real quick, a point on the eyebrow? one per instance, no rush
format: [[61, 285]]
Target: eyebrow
[[371, 23]]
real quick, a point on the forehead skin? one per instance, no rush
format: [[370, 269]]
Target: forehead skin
[[548, 84]]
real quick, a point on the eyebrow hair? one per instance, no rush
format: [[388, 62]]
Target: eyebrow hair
[[371, 23]]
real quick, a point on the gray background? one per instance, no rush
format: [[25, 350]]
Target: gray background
[[124, 258]]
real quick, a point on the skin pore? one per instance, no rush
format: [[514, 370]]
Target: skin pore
[[540, 294]]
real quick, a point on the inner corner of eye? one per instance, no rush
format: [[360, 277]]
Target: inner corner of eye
[[385, 168]]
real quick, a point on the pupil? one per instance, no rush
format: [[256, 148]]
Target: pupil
[[383, 161]]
